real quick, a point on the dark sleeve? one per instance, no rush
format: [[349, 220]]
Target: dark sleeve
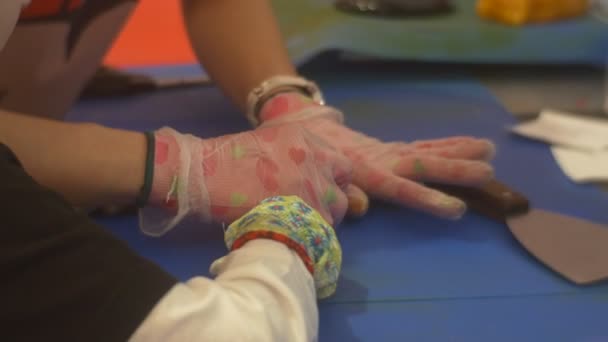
[[63, 278]]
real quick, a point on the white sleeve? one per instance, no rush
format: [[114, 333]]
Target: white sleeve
[[9, 13], [262, 292]]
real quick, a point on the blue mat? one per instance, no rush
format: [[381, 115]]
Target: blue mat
[[405, 275]]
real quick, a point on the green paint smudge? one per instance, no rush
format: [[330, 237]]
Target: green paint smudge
[[393, 164], [237, 199], [330, 196], [418, 167], [238, 152], [306, 99]]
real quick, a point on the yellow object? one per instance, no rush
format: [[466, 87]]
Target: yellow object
[[519, 12]]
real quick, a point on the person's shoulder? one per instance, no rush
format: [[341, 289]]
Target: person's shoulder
[[9, 12]]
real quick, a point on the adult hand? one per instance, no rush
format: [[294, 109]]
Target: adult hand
[[393, 171], [220, 179]]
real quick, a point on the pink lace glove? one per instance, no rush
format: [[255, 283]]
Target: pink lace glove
[[391, 171], [220, 179]]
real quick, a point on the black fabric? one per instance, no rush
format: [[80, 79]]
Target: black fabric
[[63, 278]]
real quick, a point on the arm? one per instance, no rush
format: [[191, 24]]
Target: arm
[[260, 282], [238, 42], [92, 165], [256, 288], [88, 164], [94, 278]]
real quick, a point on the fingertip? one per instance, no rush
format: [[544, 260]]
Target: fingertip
[[487, 173], [451, 208], [336, 201], [327, 217], [358, 201], [490, 149], [458, 214], [428, 200]]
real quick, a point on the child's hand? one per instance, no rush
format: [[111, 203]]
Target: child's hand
[[287, 219]]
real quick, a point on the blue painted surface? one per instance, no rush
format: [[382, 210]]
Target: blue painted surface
[[560, 318], [460, 36], [405, 275]]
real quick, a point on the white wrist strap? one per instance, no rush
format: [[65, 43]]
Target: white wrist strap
[[275, 85]]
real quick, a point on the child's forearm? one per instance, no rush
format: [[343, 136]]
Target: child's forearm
[[88, 164], [262, 291], [257, 288]]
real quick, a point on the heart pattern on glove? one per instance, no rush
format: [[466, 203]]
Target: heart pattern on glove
[[161, 152], [267, 170], [298, 155]]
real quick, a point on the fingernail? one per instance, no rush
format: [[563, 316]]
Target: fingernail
[[454, 208], [486, 173], [357, 206], [491, 153], [490, 172]]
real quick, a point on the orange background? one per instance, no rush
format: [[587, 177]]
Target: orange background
[[154, 35]]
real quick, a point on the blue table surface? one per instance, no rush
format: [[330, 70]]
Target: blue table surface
[[406, 276]]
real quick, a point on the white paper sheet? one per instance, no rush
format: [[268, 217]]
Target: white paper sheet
[[567, 130], [580, 166], [580, 144]]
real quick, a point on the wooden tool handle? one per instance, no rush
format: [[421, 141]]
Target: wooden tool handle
[[495, 199]]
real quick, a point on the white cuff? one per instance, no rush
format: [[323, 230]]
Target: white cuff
[[263, 292]]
